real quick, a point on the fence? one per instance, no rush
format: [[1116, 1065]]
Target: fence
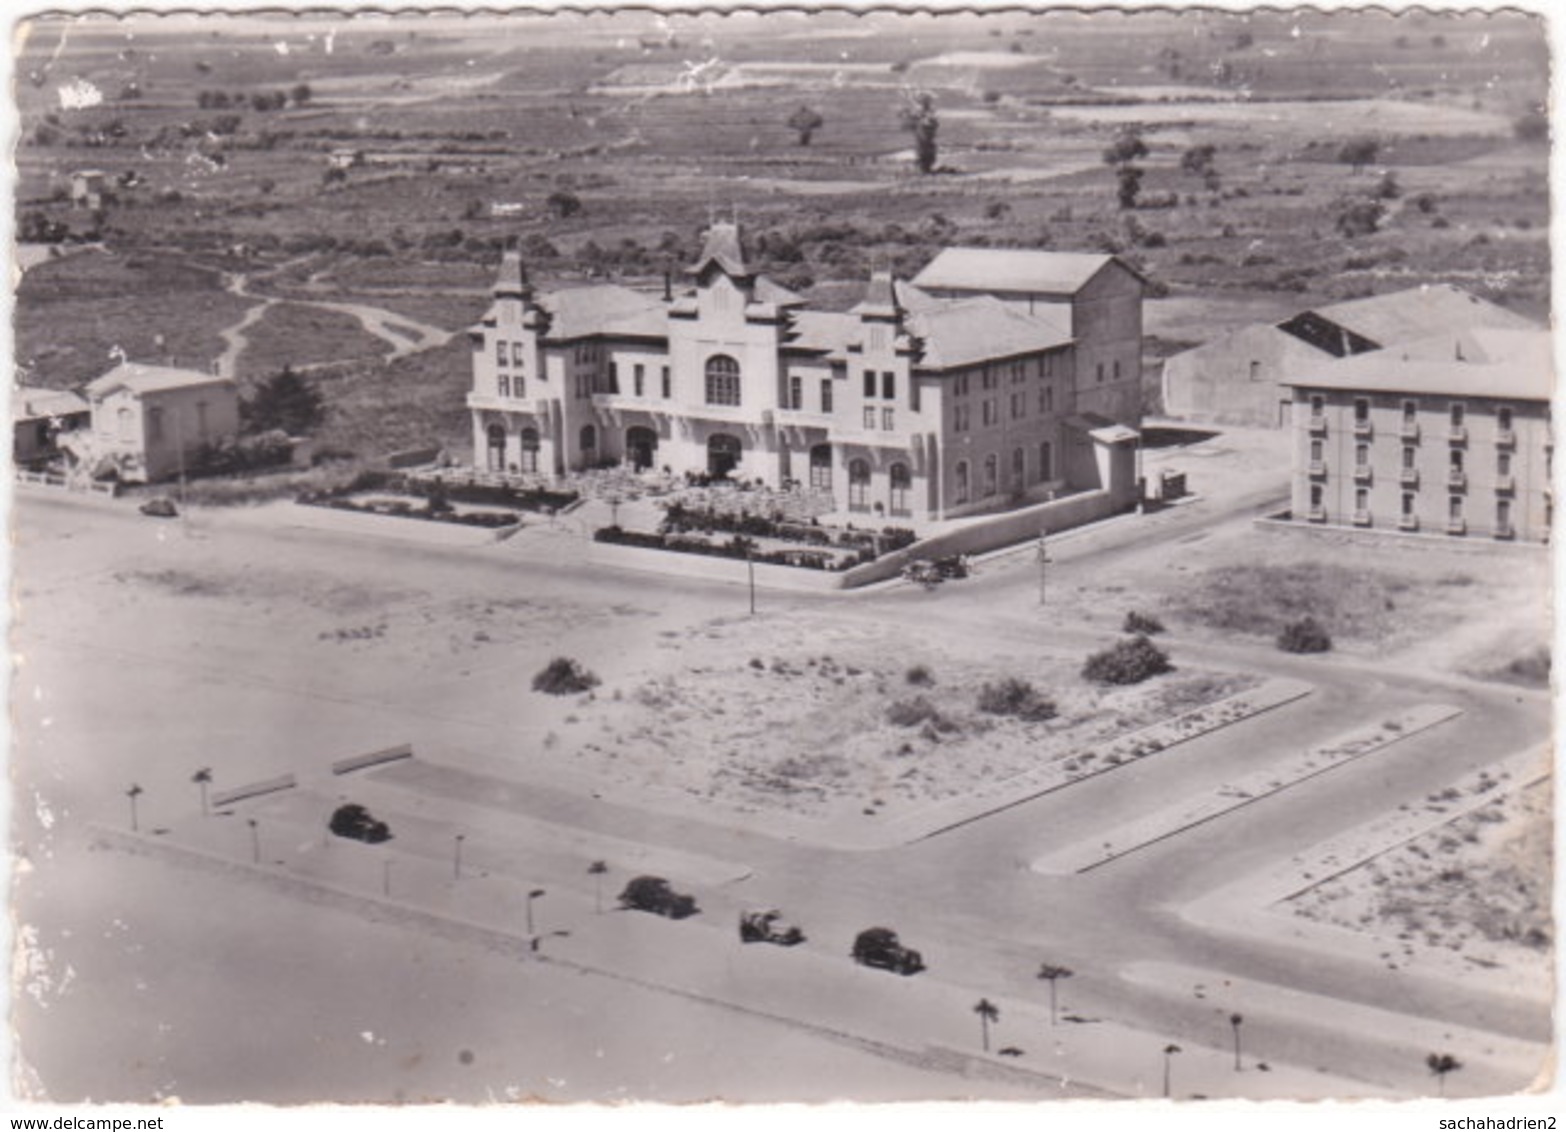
[[254, 790], [111, 488], [374, 758]]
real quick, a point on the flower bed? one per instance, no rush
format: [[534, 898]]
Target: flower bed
[[680, 518], [739, 546], [429, 509]]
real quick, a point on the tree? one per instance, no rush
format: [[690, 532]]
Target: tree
[[988, 1012], [1359, 152], [1304, 635], [564, 677], [597, 870], [1125, 149], [283, 401], [564, 204], [301, 94], [1387, 188], [919, 119], [1052, 975], [1130, 185], [805, 122], [1441, 1064], [1198, 159], [202, 778], [1359, 217]]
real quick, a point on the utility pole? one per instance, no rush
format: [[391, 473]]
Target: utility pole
[[750, 569], [1043, 556]]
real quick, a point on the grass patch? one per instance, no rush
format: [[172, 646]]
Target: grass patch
[[1261, 600], [1531, 670], [296, 335]]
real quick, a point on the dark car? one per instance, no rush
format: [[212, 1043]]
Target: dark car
[[355, 822], [160, 507], [879, 947], [653, 894]]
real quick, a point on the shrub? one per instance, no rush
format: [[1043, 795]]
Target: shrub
[[1015, 697], [911, 713], [1127, 662], [919, 676], [1143, 624], [1304, 635], [564, 677]]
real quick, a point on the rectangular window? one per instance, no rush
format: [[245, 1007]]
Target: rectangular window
[[913, 394], [960, 386], [1503, 463], [989, 413], [1457, 411], [869, 416], [1361, 410], [614, 377], [500, 354], [1408, 456], [1457, 459], [503, 384], [1315, 451], [723, 388], [1315, 497], [1503, 418], [1361, 499], [517, 385], [796, 392], [987, 378], [518, 351], [1454, 508], [1049, 398], [1046, 461], [155, 424], [1408, 504], [1047, 366], [639, 378], [826, 394], [869, 383], [668, 390], [1362, 455], [1117, 369], [1503, 516], [887, 418], [1410, 411], [960, 418], [1318, 404], [1018, 407], [889, 386]]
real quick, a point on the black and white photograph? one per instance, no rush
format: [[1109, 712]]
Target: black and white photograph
[[618, 554]]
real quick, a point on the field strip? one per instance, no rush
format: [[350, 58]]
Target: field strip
[[1148, 829], [1481, 1050], [993, 797], [1348, 850]]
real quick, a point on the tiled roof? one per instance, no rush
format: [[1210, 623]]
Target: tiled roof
[[1481, 363], [1011, 270], [1403, 316], [29, 403], [831, 332], [965, 331], [139, 378], [606, 308]]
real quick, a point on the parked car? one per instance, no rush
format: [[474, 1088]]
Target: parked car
[[160, 507], [769, 927], [880, 947], [653, 894], [355, 822]]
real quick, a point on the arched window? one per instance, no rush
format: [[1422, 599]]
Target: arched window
[[127, 423], [723, 454], [961, 490], [496, 435], [991, 474], [858, 485], [723, 380], [530, 450], [589, 442], [821, 468], [897, 500]]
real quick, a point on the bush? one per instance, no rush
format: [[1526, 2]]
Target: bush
[[919, 676], [1127, 662], [1143, 624], [911, 713], [1018, 698], [1304, 635], [564, 677]]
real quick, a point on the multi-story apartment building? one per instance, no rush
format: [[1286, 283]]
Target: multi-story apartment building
[[1448, 436], [910, 404]]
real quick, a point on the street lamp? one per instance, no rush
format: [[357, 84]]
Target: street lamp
[[1235, 1020], [386, 867], [456, 856], [532, 896], [255, 840], [202, 778], [133, 793], [597, 870], [1169, 1050]]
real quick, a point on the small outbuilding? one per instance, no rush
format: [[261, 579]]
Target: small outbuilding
[[151, 422]]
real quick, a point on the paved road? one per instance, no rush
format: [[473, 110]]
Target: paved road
[[967, 897]]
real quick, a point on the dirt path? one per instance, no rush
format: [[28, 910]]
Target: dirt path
[[405, 335]]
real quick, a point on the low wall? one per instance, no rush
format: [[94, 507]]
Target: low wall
[[717, 569], [1005, 529], [253, 790], [374, 758]]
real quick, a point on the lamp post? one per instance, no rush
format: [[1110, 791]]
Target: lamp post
[[750, 570], [532, 896], [255, 840], [597, 870], [202, 778], [1043, 555], [386, 867], [1235, 1020], [456, 856], [133, 793], [1169, 1051]]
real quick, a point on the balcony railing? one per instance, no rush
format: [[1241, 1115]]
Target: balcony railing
[[1361, 473], [1318, 467], [1408, 523], [1457, 434], [1318, 425], [1317, 514], [1505, 530], [1409, 477], [1456, 480], [1506, 438], [1364, 430], [1457, 526], [1506, 484], [1362, 518], [1409, 431]]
